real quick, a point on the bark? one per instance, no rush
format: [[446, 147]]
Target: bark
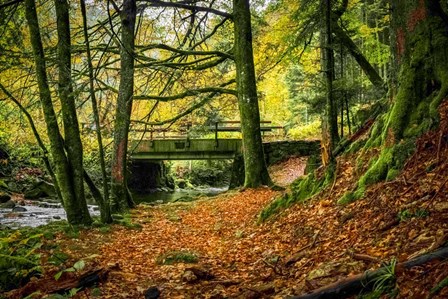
[[420, 43], [103, 201], [256, 172], [328, 69], [120, 195], [76, 205], [421, 36], [61, 165]]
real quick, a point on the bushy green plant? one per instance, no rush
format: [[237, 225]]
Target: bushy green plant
[[19, 258], [174, 257], [309, 131]]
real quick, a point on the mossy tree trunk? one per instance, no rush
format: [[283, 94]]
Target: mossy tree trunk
[[420, 29], [66, 170], [327, 62], [121, 199], [256, 172]]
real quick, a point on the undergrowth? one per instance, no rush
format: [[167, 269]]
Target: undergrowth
[[174, 257]]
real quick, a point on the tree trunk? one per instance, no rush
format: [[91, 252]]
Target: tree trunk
[[256, 172], [103, 200], [328, 69], [63, 171], [421, 35], [421, 42], [120, 195], [76, 205]]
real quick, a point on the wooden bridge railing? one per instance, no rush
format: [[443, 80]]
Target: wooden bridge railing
[[219, 126]]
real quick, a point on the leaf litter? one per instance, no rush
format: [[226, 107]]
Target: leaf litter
[[305, 247]]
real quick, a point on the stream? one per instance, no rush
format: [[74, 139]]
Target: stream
[[42, 212]]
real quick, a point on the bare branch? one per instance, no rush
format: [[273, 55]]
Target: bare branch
[[194, 8]]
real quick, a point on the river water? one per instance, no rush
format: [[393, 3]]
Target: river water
[[42, 212]]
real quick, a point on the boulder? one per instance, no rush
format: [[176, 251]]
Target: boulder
[[19, 209], [41, 189], [8, 205], [4, 197]]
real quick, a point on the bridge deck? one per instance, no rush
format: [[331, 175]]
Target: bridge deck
[[185, 149]]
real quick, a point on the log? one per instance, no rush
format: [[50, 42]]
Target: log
[[363, 282]]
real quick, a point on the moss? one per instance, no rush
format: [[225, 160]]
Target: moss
[[389, 163], [313, 162], [175, 257], [375, 135], [356, 146], [350, 196]]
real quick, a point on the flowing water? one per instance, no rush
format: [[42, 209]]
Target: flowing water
[[42, 212]]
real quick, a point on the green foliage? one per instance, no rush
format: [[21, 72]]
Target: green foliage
[[77, 267], [19, 257], [407, 214], [211, 173], [174, 257], [308, 131], [383, 282], [350, 197], [441, 285]]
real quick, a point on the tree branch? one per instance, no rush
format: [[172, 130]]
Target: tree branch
[[186, 52], [188, 93], [158, 3], [10, 3]]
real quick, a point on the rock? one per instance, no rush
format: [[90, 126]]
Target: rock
[[152, 293], [182, 184], [19, 209], [39, 190], [189, 276], [201, 273], [8, 205], [4, 197]]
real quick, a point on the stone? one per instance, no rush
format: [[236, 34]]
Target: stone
[[19, 209], [8, 205], [189, 276], [4, 197], [152, 293], [39, 190]]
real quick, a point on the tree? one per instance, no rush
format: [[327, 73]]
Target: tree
[[68, 166], [327, 62], [256, 172], [420, 35], [121, 199]]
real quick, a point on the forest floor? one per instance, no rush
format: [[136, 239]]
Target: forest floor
[[242, 258]]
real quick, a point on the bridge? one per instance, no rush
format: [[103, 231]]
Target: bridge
[[146, 155], [169, 147], [185, 149]]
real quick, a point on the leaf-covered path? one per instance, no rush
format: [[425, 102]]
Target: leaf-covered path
[[305, 247]]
